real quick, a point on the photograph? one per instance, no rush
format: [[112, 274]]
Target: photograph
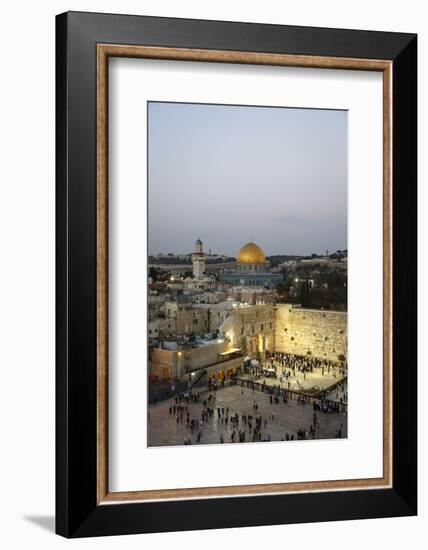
[[247, 274], [212, 301]]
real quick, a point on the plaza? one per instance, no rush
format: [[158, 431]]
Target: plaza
[[283, 420], [307, 382]]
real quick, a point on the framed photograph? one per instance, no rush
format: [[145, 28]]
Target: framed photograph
[[236, 274]]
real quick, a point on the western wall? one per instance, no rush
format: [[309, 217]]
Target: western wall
[[319, 333], [258, 329], [288, 329]]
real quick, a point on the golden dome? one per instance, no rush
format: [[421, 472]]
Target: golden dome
[[251, 253]]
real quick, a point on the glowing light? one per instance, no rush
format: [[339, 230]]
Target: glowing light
[[229, 336]]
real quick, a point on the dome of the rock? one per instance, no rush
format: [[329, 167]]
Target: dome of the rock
[[251, 253]]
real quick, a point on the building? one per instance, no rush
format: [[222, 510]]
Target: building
[[202, 329], [249, 331], [206, 360], [198, 259], [202, 283], [252, 269]]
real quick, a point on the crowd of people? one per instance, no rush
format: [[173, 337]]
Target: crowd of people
[[306, 363], [278, 393], [339, 393], [326, 406], [243, 427], [292, 370], [285, 365], [240, 427]]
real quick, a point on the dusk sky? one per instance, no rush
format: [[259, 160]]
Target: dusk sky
[[229, 174]]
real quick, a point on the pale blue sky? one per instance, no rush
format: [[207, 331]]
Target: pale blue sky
[[228, 174]]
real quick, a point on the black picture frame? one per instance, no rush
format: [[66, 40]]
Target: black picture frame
[[77, 511]]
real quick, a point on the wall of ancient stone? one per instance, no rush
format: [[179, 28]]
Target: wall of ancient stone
[[180, 362], [255, 330], [251, 328], [217, 316], [322, 333], [163, 363], [202, 356]]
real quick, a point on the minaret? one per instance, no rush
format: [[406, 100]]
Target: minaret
[[198, 259]]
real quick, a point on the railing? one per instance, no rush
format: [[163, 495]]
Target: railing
[[165, 392], [223, 363], [265, 388], [198, 378]]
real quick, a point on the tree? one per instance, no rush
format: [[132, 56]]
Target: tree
[[153, 274], [305, 293], [282, 289]]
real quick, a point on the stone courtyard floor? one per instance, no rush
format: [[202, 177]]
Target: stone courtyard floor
[[163, 428]]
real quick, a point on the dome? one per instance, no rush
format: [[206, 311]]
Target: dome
[[251, 253]]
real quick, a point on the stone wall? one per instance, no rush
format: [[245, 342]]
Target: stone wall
[[217, 316], [255, 330], [251, 328], [192, 321], [186, 319], [163, 364], [180, 362], [322, 333], [202, 356]]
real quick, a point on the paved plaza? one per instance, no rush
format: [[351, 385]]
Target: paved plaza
[[339, 393], [278, 421]]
